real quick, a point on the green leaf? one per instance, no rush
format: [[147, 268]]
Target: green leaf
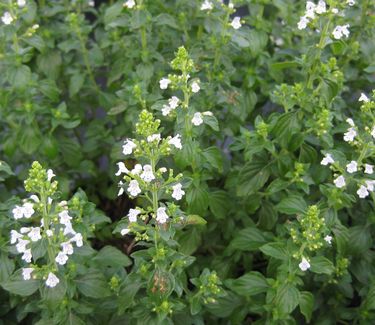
[[219, 203], [247, 239], [306, 304], [19, 76], [29, 140], [197, 198], [111, 256], [93, 285], [287, 298], [212, 122], [214, 157], [276, 250], [17, 285], [193, 219], [6, 267], [250, 284], [117, 109], [293, 204], [76, 83], [321, 265]]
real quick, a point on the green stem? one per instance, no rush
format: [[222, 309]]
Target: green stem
[[155, 204], [144, 43]]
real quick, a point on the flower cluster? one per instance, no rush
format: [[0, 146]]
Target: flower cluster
[[49, 223]]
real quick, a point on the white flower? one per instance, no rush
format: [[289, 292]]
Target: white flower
[[34, 234], [50, 174], [61, 258], [195, 87], [304, 265], [327, 160], [78, 239], [236, 22], [63, 204], [92, 3], [17, 212], [129, 4], [350, 122], [230, 5], [26, 273], [7, 18], [178, 192], [207, 113], [162, 169], [176, 141], [363, 98], [69, 229], [161, 215], [28, 210], [14, 236], [310, 6], [207, 5], [173, 102], [27, 256], [21, 3], [166, 110], [302, 24], [350, 135], [341, 31], [133, 188], [352, 167], [328, 239], [369, 169], [137, 169], [65, 217], [164, 82], [49, 233], [321, 7], [124, 231], [373, 132], [340, 182], [370, 185], [335, 10], [67, 248], [350, 2], [24, 230], [34, 198], [52, 280], [133, 213], [121, 190], [21, 246], [121, 169], [197, 119], [154, 137], [128, 147], [362, 192], [147, 174]]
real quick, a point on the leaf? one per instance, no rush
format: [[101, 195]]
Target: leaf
[[294, 204], [19, 76], [247, 239], [287, 298], [193, 219], [6, 267], [111, 256], [321, 265], [250, 284], [93, 285], [117, 109], [306, 304], [214, 157], [276, 250], [17, 285], [29, 140], [212, 122], [197, 198], [219, 203], [76, 83]]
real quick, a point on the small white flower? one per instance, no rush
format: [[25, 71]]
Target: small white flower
[[65, 217], [173, 102], [129, 4], [133, 213], [230, 5], [350, 2], [335, 10], [164, 82], [52, 280], [78, 239], [91, 3], [370, 185], [236, 23], [321, 7], [147, 174], [34, 198], [61, 258], [133, 188], [128, 147], [49, 233], [363, 98], [362, 192], [166, 109], [310, 6], [373, 132], [304, 265], [340, 182], [178, 192], [34, 234], [195, 87], [207, 113], [161, 215], [350, 122], [350, 135], [63, 204], [24, 230], [27, 256], [154, 137], [162, 169], [207, 5], [28, 210], [26, 273], [69, 229], [352, 167], [50, 174], [121, 190], [7, 18], [369, 169], [303, 21], [121, 169], [176, 141], [137, 169], [17, 212], [21, 246], [197, 119], [124, 231], [328, 239], [21, 3], [327, 160], [67, 248], [341, 31], [14, 236]]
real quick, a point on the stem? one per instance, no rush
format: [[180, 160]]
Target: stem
[[144, 43], [155, 204]]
